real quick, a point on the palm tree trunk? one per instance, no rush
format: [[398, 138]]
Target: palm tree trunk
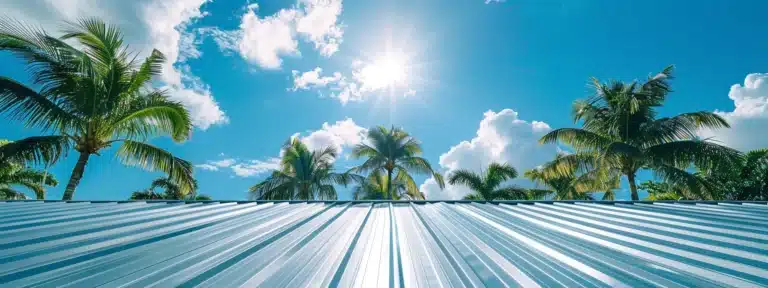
[[633, 186], [77, 173], [389, 184]]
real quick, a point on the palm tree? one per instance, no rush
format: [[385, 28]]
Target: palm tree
[[303, 175], [94, 95], [394, 152], [147, 194], [13, 170], [622, 134], [376, 187], [746, 179], [570, 186], [485, 185], [171, 191], [14, 174]]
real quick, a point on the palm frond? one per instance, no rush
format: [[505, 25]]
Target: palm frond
[[702, 153], [403, 178], [151, 115], [498, 173], [152, 66], [21, 103], [467, 178], [36, 149], [152, 158], [8, 193], [416, 164], [695, 184], [578, 138], [511, 193]]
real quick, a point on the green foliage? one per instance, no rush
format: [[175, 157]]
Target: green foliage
[[376, 187], [746, 179], [93, 95], [663, 191], [571, 185], [487, 184], [394, 153], [303, 175], [622, 134], [14, 172], [170, 191]]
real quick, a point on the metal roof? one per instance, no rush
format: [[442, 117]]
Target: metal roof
[[378, 243]]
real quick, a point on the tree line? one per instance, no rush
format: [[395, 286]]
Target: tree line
[[90, 93]]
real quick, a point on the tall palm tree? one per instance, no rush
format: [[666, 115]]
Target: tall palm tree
[[377, 187], [486, 185], [570, 186], [94, 95], [303, 175], [395, 153], [622, 134], [14, 172]]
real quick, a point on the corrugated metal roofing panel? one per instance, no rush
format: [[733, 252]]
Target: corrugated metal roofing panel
[[389, 244]]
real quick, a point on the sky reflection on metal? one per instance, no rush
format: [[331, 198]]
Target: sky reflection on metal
[[383, 244]]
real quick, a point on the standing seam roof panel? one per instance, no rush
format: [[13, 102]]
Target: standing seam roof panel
[[383, 244]]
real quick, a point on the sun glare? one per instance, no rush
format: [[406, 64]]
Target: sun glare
[[385, 72]]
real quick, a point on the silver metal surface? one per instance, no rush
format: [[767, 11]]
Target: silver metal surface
[[383, 244]]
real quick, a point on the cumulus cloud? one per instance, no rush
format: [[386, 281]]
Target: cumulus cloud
[[749, 116], [146, 24], [313, 79], [264, 41], [255, 167], [320, 25], [345, 133], [502, 137], [341, 134]]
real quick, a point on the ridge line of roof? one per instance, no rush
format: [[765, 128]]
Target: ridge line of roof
[[406, 201]]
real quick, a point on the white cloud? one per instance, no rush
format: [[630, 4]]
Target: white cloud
[[367, 79], [264, 41], [223, 163], [255, 167], [749, 116], [345, 133], [320, 25], [208, 167], [242, 168], [313, 79], [146, 24], [214, 165], [502, 137]]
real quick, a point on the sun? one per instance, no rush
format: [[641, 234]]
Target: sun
[[389, 71]]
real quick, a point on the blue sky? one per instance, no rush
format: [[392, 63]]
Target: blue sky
[[476, 82]]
